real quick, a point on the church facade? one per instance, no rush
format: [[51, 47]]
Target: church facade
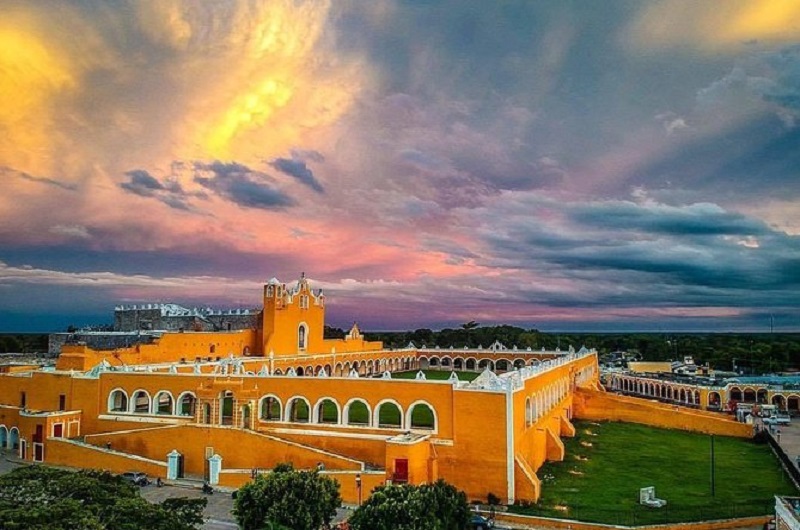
[[224, 405]]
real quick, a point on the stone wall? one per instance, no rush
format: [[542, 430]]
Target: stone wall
[[151, 317], [98, 340]]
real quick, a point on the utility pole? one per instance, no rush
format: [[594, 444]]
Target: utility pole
[[712, 465]]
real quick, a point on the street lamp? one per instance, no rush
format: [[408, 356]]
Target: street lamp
[[358, 487]]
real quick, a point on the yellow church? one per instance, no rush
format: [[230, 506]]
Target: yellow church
[[223, 405]]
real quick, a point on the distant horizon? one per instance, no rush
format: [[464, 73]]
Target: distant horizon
[[40, 326]]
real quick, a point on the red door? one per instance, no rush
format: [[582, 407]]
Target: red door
[[401, 470]]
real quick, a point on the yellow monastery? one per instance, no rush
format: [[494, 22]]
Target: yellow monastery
[[224, 405]]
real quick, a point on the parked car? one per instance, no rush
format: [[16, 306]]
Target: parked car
[[135, 477], [777, 419], [479, 522]]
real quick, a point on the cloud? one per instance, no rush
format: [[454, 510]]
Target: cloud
[[619, 253], [713, 27], [142, 183], [297, 168], [770, 77], [71, 231], [699, 219], [241, 185], [41, 180]]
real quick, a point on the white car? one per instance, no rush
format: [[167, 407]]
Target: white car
[[778, 419]]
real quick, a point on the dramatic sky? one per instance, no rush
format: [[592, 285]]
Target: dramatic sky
[[555, 164]]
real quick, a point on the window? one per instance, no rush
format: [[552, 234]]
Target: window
[[301, 337], [62, 402], [22, 399]]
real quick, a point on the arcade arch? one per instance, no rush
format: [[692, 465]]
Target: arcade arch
[[269, 408], [356, 412], [421, 415], [140, 402], [118, 401], [388, 413]]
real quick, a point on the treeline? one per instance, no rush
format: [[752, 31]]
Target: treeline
[[747, 353], [23, 343]]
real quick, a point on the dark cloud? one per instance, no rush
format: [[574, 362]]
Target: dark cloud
[[142, 183], [298, 169], [308, 154], [5, 170], [241, 185], [694, 219], [628, 254]]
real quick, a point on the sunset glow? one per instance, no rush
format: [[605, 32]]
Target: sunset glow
[[618, 166]]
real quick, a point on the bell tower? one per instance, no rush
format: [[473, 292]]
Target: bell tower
[[293, 318]]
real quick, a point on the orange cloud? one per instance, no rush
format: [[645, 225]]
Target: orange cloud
[[714, 26]]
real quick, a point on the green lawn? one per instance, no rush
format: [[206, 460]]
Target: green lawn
[[607, 463], [436, 375]]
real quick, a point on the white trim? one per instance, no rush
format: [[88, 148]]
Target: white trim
[[261, 404], [302, 324], [376, 413], [172, 403], [127, 400], [9, 444], [33, 456], [287, 409], [435, 417], [315, 415], [132, 402], [178, 402], [346, 413], [63, 430], [510, 444]]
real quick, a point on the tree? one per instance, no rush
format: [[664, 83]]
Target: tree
[[39, 497], [437, 506], [300, 500]]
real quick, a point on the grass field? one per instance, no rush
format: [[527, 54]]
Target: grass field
[[436, 375], [607, 463]]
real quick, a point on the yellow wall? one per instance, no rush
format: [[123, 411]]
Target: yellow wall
[[650, 367], [593, 405], [170, 347]]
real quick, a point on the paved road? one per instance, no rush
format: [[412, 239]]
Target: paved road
[[789, 439]]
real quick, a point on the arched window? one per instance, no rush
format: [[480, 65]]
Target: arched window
[[141, 402], [163, 404], [421, 416], [356, 412], [270, 409], [118, 401], [302, 333], [326, 411], [246, 417], [298, 410], [13, 438], [389, 414], [226, 408], [186, 404], [528, 412]]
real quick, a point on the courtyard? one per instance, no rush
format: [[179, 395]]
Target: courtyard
[[607, 463]]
